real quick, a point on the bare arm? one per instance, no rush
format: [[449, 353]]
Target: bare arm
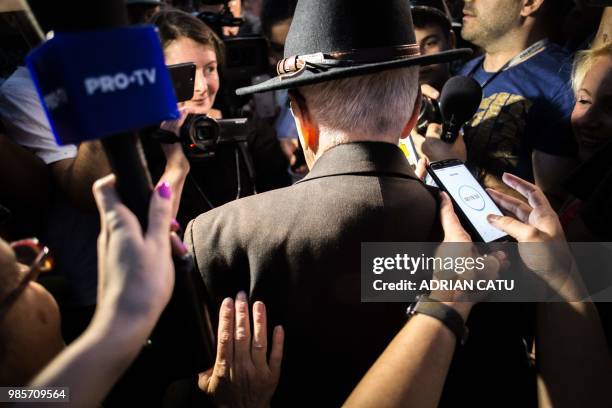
[[136, 278], [549, 170], [412, 369], [571, 349], [570, 345], [76, 176], [91, 365], [175, 173]]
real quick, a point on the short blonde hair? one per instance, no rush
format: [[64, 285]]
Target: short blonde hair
[[377, 104], [584, 62]]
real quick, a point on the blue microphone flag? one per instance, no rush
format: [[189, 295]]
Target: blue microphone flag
[[99, 83]]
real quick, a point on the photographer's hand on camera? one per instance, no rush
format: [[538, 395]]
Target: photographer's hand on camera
[[177, 165], [430, 92], [431, 146], [174, 126]]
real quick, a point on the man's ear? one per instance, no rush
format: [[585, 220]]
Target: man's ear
[[530, 7], [306, 126], [414, 117]]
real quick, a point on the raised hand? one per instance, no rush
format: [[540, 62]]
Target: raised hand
[[243, 376], [536, 227]]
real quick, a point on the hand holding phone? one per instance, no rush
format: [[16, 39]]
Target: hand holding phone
[[470, 200], [183, 80]]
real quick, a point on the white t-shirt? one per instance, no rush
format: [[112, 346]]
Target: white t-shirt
[[26, 121], [70, 233]]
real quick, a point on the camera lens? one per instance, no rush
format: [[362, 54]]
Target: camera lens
[[430, 113], [200, 134]]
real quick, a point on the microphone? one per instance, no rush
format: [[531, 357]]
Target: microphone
[[101, 95], [459, 101]]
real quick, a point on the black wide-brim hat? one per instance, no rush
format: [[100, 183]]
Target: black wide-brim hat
[[334, 39]]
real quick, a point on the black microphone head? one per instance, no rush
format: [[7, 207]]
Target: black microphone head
[[460, 99]]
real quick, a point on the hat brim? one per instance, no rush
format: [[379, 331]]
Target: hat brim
[[308, 77]]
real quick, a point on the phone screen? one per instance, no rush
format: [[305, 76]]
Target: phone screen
[[471, 198]]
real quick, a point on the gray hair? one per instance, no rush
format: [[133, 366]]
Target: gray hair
[[377, 105]]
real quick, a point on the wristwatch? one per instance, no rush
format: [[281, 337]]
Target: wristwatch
[[446, 314]]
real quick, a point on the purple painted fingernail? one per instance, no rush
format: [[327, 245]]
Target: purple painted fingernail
[[164, 190], [174, 225]]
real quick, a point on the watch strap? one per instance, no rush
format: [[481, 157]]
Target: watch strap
[[446, 314]]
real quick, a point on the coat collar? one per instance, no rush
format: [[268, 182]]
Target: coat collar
[[375, 158]]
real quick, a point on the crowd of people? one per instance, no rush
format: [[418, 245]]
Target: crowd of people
[[274, 223]]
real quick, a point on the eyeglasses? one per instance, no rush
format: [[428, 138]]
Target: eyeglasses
[[35, 257]]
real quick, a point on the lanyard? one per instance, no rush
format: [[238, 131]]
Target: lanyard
[[522, 57]]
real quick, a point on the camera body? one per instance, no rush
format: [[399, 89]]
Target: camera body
[[430, 113], [246, 57], [216, 21], [200, 135]]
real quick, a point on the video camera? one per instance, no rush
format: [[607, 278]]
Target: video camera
[[246, 56], [430, 113], [200, 134], [224, 18]]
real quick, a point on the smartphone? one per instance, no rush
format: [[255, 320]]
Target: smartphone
[[471, 202], [183, 80]]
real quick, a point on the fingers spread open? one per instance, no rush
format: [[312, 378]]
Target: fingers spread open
[[242, 330], [259, 348], [511, 204], [225, 339]]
